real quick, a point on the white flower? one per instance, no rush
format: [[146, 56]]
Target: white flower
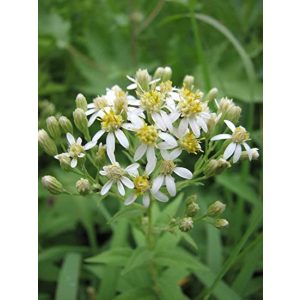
[[238, 138], [168, 167], [142, 187], [76, 150], [117, 175], [149, 137]]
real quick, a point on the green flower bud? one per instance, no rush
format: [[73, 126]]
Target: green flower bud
[[53, 127], [143, 79], [159, 73], [216, 166], [81, 102], [137, 16], [46, 108], [220, 223], [81, 121], [216, 209], [255, 154], [188, 82], [100, 154], [186, 224], [230, 111], [192, 209], [167, 74], [52, 185], [211, 95], [83, 186], [64, 161], [47, 143], [65, 124]]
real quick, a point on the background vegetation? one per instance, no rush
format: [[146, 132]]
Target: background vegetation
[[88, 45]]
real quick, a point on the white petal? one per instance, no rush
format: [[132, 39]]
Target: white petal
[[98, 135], [70, 138], [132, 86], [202, 124], [132, 169], [105, 189], [195, 127], [164, 146], [183, 125], [91, 105], [165, 154], [183, 172], [158, 121], [90, 145], [90, 111], [128, 126], [248, 149], [157, 183], [175, 153], [80, 155], [171, 186], [93, 118], [104, 173], [160, 197], [120, 188], [140, 151], [230, 125], [130, 199], [127, 182], [229, 150], [222, 136], [122, 138], [237, 153], [168, 138], [110, 147], [167, 120], [146, 200], [79, 141], [151, 159], [73, 163], [174, 116]]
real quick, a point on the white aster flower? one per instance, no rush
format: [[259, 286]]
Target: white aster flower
[[142, 187], [75, 149], [149, 137], [119, 176], [167, 168], [238, 138]]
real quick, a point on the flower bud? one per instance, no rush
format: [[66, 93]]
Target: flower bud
[[81, 120], [100, 154], [216, 209], [52, 185], [137, 16], [143, 79], [230, 111], [64, 161], [188, 82], [220, 223], [255, 154], [81, 102], [83, 186], [65, 124], [47, 143], [216, 166], [212, 121], [46, 108], [211, 95], [167, 74], [53, 127], [192, 209], [186, 224], [159, 73]]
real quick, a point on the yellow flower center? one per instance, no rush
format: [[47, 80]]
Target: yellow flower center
[[240, 135], [167, 167], [166, 86], [100, 102], [141, 184], [190, 143], [75, 149], [190, 103], [111, 121], [114, 171], [148, 134], [121, 102], [152, 101]]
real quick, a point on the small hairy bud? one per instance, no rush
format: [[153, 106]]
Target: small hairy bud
[[80, 120], [216, 166], [186, 224], [192, 209], [100, 154], [159, 73], [52, 185], [64, 161], [137, 16], [53, 127], [47, 108], [255, 154], [65, 124], [188, 82], [212, 121], [211, 95], [81, 102], [47, 143], [143, 79], [220, 223], [167, 74], [83, 186], [230, 111], [216, 209]]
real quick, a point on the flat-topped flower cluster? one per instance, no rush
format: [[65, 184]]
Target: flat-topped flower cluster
[[155, 126]]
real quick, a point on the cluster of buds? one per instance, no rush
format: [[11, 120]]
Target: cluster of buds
[[191, 210], [214, 212]]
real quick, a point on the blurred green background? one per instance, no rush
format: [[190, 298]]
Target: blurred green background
[[86, 46]]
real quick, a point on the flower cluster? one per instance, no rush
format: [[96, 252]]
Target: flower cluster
[[155, 128]]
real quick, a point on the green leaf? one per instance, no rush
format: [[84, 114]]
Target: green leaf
[[169, 291], [187, 238], [116, 256], [68, 278], [131, 211], [137, 293], [214, 248]]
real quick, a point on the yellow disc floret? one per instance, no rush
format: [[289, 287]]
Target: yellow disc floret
[[190, 143], [114, 171], [148, 134], [152, 101], [240, 135], [167, 167], [111, 121], [166, 86], [120, 102], [100, 102], [190, 103], [75, 149], [141, 184]]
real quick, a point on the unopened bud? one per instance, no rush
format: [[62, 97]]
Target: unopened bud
[[167, 74], [53, 127], [64, 161], [47, 108], [216, 209], [137, 16], [216, 166], [143, 79], [52, 185], [212, 121], [220, 223], [192, 209], [254, 152], [188, 82], [230, 111], [47, 143], [83, 186], [81, 102], [80, 120], [159, 73], [211, 95], [65, 124], [100, 154], [186, 224]]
